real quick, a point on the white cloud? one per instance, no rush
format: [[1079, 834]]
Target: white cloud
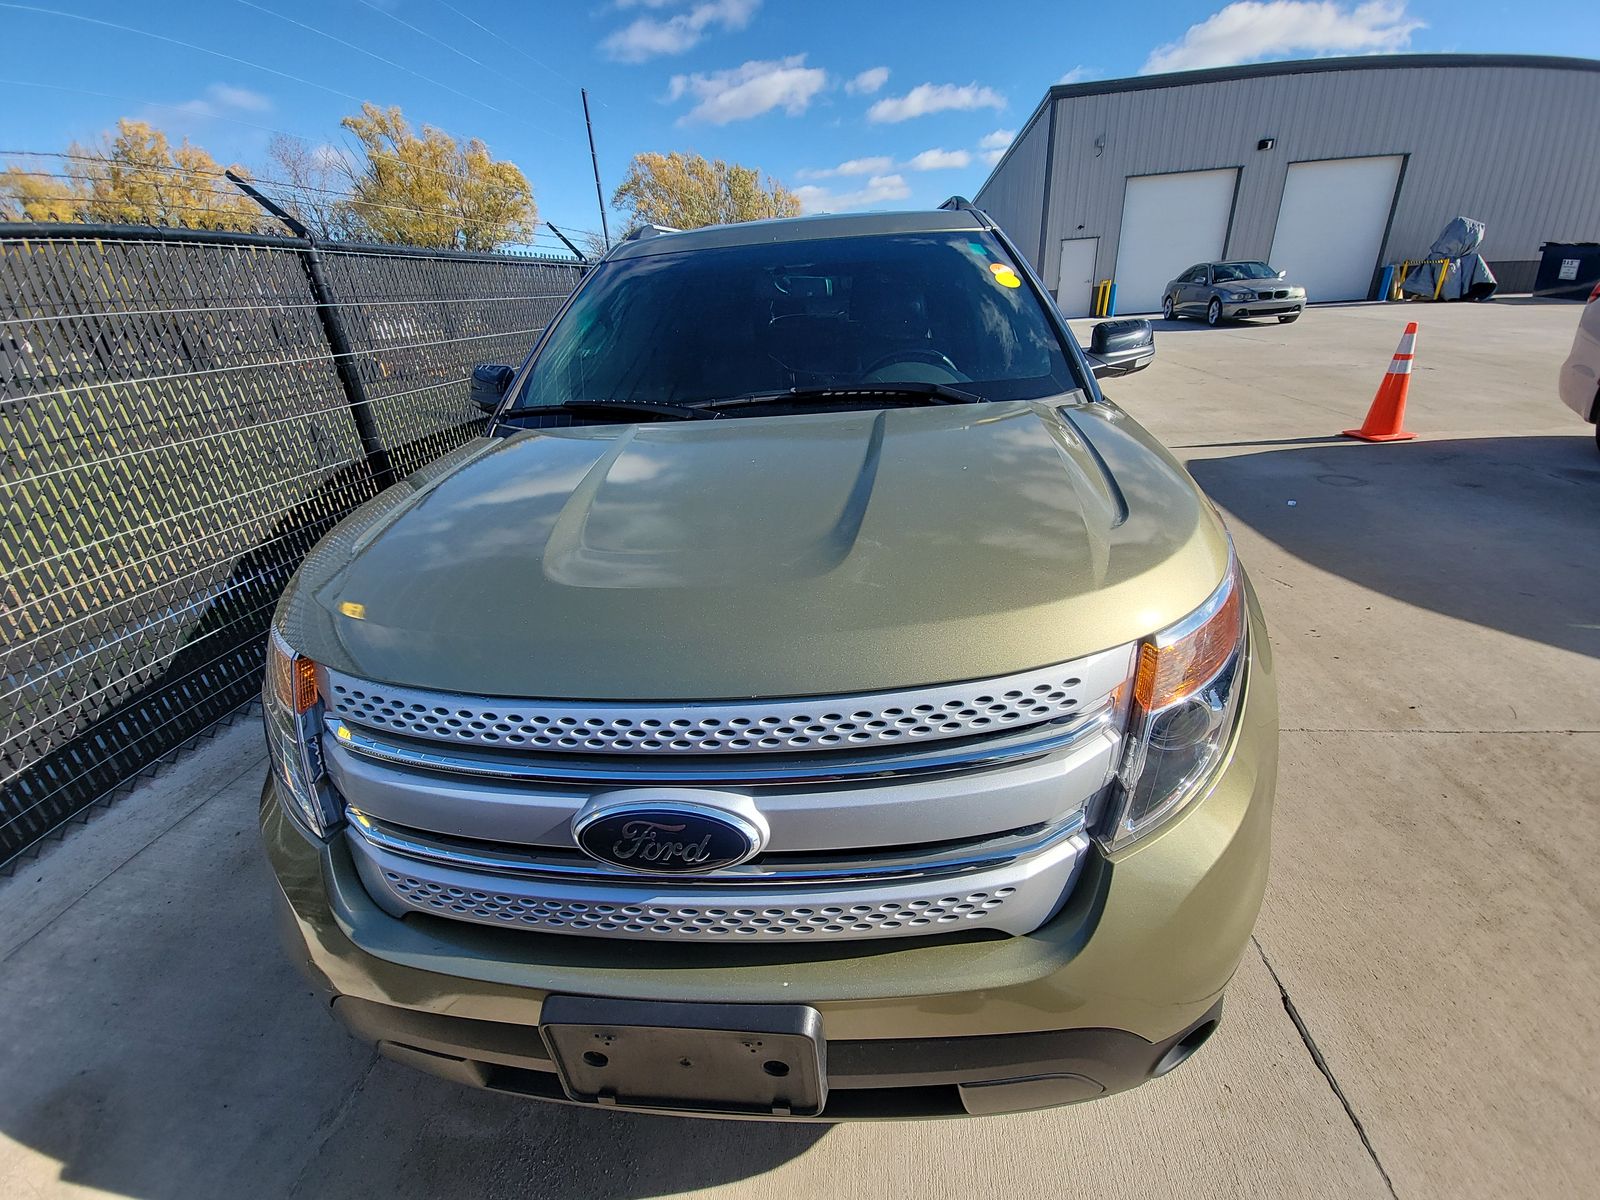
[[750, 90], [876, 165], [938, 160], [244, 99], [928, 98], [650, 37], [992, 156], [219, 100], [879, 190], [1078, 74], [1255, 29], [868, 81], [998, 140]]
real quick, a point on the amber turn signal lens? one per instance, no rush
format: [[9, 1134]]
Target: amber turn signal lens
[[294, 679], [305, 684], [1168, 673]]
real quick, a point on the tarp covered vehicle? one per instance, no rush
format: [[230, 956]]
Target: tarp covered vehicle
[[1467, 276]]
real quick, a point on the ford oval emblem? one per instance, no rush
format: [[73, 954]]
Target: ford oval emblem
[[668, 835]]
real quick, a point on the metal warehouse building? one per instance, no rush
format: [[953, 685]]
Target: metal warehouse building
[[1327, 169]]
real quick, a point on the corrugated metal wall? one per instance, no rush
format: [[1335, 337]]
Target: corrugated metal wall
[[1517, 147], [1017, 188]]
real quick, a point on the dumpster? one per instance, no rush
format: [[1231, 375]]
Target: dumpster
[[1567, 270]]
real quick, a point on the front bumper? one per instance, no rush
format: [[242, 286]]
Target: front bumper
[[1262, 308], [1120, 984]]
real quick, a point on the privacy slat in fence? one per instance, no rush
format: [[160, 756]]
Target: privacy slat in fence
[[173, 438]]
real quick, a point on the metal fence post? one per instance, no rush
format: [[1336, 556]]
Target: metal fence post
[[344, 364]]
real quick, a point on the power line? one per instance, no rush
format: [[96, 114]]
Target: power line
[[161, 37], [510, 45], [371, 54], [301, 137], [424, 33], [350, 196], [355, 199]]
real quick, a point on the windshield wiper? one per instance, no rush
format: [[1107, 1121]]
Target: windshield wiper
[[924, 393], [654, 408]]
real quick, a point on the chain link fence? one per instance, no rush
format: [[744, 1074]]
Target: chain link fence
[[182, 415]]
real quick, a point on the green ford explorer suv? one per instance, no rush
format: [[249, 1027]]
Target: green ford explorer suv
[[811, 698]]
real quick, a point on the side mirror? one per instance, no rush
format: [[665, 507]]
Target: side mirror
[[1121, 347], [489, 384], [1283, 274]]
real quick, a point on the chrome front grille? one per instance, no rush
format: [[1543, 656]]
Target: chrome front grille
[[881, 719], [462, 807], [1011, 884]]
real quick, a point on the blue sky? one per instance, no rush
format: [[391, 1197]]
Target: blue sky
[[861, 104]]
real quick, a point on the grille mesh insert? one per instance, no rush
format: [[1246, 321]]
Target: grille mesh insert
[[927, 916], [884, 718]]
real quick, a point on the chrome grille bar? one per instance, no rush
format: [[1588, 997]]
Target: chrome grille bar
[[1012, 747], [945, 861], [746, 728]]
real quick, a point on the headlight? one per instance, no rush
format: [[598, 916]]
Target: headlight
[[1185, 696], [292, 711]]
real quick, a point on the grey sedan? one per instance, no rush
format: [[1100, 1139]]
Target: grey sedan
[[1224, 291]]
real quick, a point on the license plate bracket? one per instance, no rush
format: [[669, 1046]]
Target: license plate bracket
[[741, 1059]]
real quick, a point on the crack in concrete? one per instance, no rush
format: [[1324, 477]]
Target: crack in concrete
[[331, 1125], [1322, 1066]]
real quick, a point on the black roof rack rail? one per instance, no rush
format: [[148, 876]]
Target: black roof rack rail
[[650, 231], [962, 204]]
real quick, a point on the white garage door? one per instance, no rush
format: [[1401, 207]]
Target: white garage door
[[1169, 223], [1331, 223]]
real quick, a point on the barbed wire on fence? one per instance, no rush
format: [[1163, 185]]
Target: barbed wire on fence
[[552, 242]]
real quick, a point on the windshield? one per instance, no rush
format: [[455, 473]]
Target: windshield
[[710, 324], [1226, 272]]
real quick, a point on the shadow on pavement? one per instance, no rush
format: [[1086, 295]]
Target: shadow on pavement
[[1496, 531], [160, 1046]]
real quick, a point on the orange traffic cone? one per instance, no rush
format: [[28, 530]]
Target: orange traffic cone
[[1388, 411]]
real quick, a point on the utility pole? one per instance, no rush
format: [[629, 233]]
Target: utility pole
[[594, 161]]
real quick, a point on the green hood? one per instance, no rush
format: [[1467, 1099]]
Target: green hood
[[820, 554]]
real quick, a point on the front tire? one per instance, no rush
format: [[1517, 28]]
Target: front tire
[[1167, 311], [1214, 312]]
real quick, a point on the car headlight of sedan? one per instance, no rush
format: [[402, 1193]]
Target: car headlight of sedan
[[1186, 687], [292, 712]]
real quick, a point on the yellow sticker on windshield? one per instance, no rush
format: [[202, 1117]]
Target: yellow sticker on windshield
[[1005, 276], [353, 610]]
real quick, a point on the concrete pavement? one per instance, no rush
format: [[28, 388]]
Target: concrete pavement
[[1418, 1016]]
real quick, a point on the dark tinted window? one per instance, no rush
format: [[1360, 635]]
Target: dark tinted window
[[709, 324], [1229, 272]]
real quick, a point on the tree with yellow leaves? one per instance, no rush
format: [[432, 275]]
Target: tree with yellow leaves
[[133, 177], [687, 191], [435, 190]]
